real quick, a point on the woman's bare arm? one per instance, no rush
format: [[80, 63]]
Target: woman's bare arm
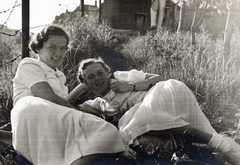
[[150, 80], [44, 90], [75, 93]]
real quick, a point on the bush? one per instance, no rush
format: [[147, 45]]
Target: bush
[[90, 39], [7, 73], [215, 85], [201, 68]]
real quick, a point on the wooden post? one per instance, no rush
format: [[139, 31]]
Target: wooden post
[[227, 36], [25, 28], [82, 8], [100, 12]]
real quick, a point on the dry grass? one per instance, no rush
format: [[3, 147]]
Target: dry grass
[[215, 85]]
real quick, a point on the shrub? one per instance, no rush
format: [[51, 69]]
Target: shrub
[[7, 73], [215, 85], [90, 39], [201, 68]]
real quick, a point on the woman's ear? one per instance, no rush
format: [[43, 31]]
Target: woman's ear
[[110, 75]]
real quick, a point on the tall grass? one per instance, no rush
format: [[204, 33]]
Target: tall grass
[[201, 68], [215, 85], [7, 73], [90, 39]]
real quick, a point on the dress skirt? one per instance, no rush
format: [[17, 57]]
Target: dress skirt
[[47, 133], [169, 104]]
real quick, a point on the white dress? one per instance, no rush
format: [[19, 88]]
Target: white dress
[[47, 133], [168, 104]]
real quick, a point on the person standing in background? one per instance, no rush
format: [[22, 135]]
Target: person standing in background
[[157, 12]]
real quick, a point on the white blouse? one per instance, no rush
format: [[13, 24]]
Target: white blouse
[[113, 103], [31, 71]]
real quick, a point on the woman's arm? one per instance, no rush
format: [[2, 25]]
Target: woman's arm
[[44, 90], [75, 93], [150, 80]]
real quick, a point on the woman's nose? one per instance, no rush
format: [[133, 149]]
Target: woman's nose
[[97, 78], [59, 51]]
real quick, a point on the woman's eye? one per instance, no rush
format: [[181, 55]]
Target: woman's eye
[[64, 48], [90, 77], [53, 47], [100, 73]]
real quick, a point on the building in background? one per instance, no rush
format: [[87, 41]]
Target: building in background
[[127, 14]]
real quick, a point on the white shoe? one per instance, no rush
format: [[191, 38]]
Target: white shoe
[[231, 149]]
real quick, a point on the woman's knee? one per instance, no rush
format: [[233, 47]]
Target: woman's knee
[[87, 160], [192, 134]]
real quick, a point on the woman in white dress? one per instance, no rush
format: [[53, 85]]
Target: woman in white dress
[[46, 128], [148, 105]]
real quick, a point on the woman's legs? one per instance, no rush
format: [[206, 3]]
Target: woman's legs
[[86, 160], [225, 145], [95, 159], [190, 134]]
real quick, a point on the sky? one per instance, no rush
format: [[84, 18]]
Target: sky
[[41, 11]]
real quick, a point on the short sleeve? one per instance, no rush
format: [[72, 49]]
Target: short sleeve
[[30, 73], [130, 76]]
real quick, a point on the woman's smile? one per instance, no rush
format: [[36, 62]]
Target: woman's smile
[[53, 51], [99, 83], [56, 59], [97, 78]]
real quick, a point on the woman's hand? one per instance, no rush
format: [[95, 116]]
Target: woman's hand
[[118, 86]]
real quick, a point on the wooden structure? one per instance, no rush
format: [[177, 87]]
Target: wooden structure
[[127, 14], [25, 27]]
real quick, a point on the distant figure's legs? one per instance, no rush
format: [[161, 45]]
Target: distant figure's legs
[[153, 13], [161, 12], [157, 13]]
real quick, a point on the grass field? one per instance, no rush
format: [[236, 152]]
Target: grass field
[[215, 83]]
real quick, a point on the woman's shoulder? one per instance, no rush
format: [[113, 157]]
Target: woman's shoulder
[[28, 60], [29, 64]]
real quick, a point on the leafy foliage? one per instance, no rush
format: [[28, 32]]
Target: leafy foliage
[[90, 39], [7, 73], [10, 48], [201, 68]]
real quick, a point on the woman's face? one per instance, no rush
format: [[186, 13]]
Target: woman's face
[[96, 78], [53, 51]]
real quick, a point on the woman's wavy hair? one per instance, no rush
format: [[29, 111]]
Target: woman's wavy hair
[[37, 41], [85, 63]]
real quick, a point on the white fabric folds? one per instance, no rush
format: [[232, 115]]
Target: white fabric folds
[[50, 134], [168, 104]]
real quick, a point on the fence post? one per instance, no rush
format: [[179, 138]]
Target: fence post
[[82, 8], [25, 28]]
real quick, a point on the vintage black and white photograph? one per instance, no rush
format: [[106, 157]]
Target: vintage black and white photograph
[[119, 82]]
